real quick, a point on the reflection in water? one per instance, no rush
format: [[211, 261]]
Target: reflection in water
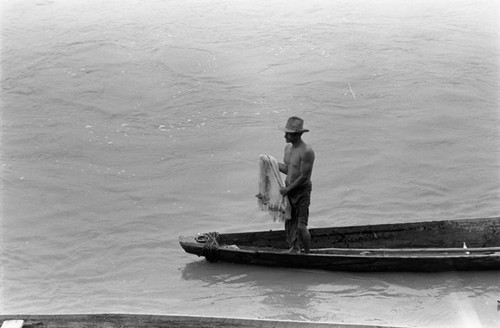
[[285, 293], [315, 295]]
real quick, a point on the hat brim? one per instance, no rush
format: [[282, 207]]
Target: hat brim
[[293, 131]]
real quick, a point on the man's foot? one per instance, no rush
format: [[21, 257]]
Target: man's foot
[[294, 250]]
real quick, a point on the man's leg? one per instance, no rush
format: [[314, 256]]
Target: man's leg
[[305, 236], [302, 221], [293, 235], [300, 215], [295, 247]]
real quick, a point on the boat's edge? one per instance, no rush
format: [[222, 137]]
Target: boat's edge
[[380, 226], [472, 258], [450, 223], [112, 320], [189, 244]]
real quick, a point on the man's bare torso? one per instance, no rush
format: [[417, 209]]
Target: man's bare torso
[[295, 158]]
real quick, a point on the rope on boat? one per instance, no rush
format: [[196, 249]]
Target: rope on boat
[[211, 247]]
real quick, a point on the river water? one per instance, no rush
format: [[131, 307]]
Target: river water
[[128, 123]]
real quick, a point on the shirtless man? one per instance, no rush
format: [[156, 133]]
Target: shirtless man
[[298, 165]]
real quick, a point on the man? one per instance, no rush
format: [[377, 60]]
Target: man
[[298, 165]]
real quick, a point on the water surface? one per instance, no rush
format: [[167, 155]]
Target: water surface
[[128, 123]]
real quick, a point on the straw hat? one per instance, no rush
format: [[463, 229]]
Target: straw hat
[[294, 125]]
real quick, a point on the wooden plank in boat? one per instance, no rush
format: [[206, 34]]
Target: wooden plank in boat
[[486, 250]]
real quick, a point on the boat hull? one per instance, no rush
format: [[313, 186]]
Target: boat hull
[[419, 246], [158, 321]]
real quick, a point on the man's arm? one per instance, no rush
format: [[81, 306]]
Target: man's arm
[[283, 168]]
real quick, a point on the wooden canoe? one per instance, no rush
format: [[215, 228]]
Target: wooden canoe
[[158, 321], [450, 245]]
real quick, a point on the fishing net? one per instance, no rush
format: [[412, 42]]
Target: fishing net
[[269, 198]]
